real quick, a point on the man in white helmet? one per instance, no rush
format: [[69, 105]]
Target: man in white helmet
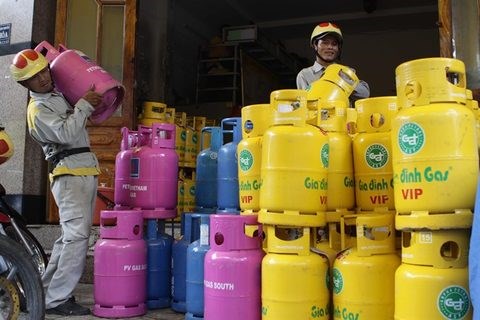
[[327, 41], [60, 129]]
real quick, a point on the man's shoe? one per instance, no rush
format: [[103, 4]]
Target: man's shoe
[[69, 308]]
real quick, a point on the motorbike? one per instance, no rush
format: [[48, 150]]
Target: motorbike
[[21, 289]]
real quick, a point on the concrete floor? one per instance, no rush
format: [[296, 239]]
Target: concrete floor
[[84, 295]]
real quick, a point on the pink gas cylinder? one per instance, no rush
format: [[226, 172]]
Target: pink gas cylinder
[[74, 74], [154, 174], [120, 265], [233, 268], [122, 169]]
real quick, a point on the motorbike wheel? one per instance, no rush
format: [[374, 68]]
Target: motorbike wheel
[[17, 272], [39, 256]]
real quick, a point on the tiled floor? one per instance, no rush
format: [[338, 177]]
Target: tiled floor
[[84, 296]]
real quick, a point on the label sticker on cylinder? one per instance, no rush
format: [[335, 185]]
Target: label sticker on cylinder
[[376, 156], [453, 302], [246, 160], [411, 138]]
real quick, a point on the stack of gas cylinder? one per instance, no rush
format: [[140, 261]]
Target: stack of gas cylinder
[[364, 271], [145, 189], [303, 205], [435, 167]]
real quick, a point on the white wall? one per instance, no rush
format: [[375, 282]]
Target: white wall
[[13, 98]]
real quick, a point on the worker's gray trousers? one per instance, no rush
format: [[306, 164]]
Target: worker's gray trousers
[[75, 197]]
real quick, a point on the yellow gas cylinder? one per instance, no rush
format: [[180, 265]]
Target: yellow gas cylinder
[[294, 279], [435, 263], [372, 152], [180, 119], [293, 166], [421, 82], [189, 190], [199, 124], [336, 83], [363, 277], [190, 159], [423, 292], [434, 144], [152, 112], [255, 120], [435, 158], [341, 192]]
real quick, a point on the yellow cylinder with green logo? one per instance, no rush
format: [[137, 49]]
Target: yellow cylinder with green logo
[[423, 292], [435, 158], [363, 277], [341, 192], [190, 159], [294, 165], [294, 279], [255, 120], [336, 84], [372, 153], [431, 80]]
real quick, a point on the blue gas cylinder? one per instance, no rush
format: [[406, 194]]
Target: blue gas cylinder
[[159, 272], [190, 231], [227, 169], [196, 252], [206, 173]]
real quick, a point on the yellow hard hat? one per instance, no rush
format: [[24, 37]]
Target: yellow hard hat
[[6, 146], [26, 64], [326, 28]]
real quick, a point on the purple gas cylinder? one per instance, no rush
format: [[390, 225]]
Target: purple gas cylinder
[[122, 169], [233, 268], [74, 74], [154, 174], [120, 265]]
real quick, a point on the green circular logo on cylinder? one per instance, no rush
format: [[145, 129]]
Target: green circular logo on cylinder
[[324, 155], [246, 160], [192, 190], [411, 138], [376, 156], [337, 281], [453, 302]]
